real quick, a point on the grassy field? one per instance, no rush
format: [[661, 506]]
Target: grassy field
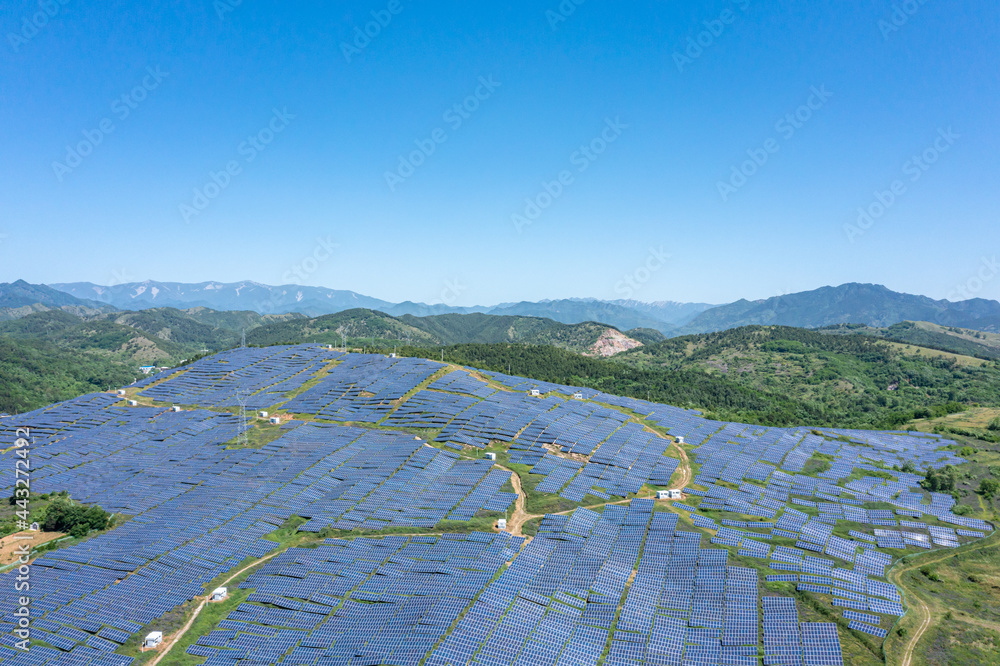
[[960, 592]]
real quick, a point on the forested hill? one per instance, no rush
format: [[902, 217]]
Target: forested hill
[[852, 378]]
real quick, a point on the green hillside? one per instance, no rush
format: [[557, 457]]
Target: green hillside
[[369, 328], [35, 373], [358, 326], [851, 378]]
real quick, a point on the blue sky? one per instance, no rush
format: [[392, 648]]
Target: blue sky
[[276, 142]]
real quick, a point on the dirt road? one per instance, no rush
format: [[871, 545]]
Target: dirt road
[[169, 644]]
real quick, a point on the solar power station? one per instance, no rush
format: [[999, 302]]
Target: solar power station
[[632, 580]]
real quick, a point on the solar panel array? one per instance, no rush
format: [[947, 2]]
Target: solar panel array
[[362, 387], [260, 375], [626, 582]]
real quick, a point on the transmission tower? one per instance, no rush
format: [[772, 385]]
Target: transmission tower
[[241, 437], [243, 341]]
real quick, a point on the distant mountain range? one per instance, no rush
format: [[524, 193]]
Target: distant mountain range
[[869, 304], [318, 301], [20, 298], [853, 303]]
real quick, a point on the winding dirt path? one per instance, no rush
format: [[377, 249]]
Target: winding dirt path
[[919, 605], [516, 523], [685, 466], [204, 600]]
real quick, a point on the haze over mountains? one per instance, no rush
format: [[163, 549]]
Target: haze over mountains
[[316, 301], [852, 303]]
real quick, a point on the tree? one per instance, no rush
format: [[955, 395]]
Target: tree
[[988, 488], [64, 515], [940, 482], [994, 424]]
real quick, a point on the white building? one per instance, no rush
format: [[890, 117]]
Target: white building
[[491, 456], [680, 440], [153, 639], [175, 408], [274, 420], [502, 524], [263, 415], [133, 403], [535, 392], [219, 593], [578, 396], [121, 391], [673, 493]]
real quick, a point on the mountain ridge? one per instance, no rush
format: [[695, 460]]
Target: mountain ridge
[[850, 303]]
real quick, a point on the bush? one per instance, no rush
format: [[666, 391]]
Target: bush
[[64, 515], [994, 424], [988, 488]]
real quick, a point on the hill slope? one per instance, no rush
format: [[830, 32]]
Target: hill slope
[[369, 327], [852, 378], [968, 342]]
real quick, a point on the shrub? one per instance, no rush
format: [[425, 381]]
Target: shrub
[[64, 515]]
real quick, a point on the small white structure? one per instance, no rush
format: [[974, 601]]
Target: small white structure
[[534, 392], [680, 440], [673, 493], [133, 403], [502, 524], [121, 391], [491, 456], [219, 593], [392, 355], [175, 408], [274, 420], [152, 639], [263, 415], [578, 396]]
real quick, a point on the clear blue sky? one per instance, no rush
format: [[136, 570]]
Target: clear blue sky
[[675, 119]]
